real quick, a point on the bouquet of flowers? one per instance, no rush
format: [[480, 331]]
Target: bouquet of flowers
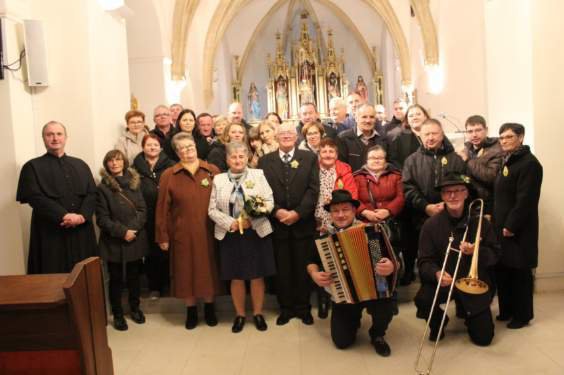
[[255, 206]]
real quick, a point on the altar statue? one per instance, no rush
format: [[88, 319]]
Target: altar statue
[[362, 89], [254, 103], [281, 96]]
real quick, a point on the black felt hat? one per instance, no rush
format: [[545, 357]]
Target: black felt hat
[[453, 178], [341, 196]]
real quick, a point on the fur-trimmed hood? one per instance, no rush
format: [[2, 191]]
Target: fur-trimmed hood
[[130, 177]]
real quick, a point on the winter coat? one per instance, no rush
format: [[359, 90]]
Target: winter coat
[[120, 206], [484, 168], [345, 179], [150, 189], [423, 171], [130, 144], [387, 191], [403, 145], [217, 156], [353, 151], [516, 193]]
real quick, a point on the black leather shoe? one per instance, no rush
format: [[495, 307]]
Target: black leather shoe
[[238, 324], [137, 316], [307, 319], [323, 310], [260, 323], [209, 314], [503, 318], [191, 317], [381, 346], [119, 323], [283, 318], [516, 324], [434, 333]]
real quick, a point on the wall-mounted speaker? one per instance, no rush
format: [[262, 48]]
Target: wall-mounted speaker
[[35, 53]]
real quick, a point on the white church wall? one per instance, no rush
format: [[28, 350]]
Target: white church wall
[[548, 96], [88, 92]]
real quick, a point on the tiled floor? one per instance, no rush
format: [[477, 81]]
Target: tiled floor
[[163, 346]]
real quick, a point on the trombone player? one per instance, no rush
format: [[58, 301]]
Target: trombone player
[[433, 242]]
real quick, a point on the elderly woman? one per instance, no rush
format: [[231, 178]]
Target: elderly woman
[[183, 228], [313, 133], [245, 246], [150, 164], [380, 190], [232, 132], [333, 175], [129, 143], [120, 214]]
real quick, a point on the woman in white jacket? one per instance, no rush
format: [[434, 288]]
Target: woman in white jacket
[[245, 246]]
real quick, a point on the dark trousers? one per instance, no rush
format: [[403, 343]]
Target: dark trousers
[[293, 285], [479, 324], [409, 244], [158, 270], [116, 284], [515, 293], [345, 320]]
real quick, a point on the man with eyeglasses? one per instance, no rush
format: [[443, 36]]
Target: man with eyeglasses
[[483, 156], [163, 127], [433, 243]]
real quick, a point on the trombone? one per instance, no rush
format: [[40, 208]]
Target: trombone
[[469, 284]]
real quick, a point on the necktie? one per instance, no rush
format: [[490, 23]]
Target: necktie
[[286, 158]]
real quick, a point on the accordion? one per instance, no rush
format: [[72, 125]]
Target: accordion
[[351, 257]]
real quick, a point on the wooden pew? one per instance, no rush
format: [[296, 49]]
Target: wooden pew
[[55, 324]]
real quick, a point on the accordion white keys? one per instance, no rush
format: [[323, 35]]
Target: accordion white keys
[[351, 257]]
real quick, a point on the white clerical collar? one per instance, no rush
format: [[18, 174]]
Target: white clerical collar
[[282, 153]]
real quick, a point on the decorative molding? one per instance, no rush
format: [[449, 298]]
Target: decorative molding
[[428, 31], [184, 11]]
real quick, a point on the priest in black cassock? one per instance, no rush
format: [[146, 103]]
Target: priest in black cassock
[[62, 193]]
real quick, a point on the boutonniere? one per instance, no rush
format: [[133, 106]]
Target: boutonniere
[[205, 182], [340, 184], [294, 164], [505, 171], [249, 184], [444, 161]]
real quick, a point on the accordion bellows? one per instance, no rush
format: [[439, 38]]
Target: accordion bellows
[[351, 257]]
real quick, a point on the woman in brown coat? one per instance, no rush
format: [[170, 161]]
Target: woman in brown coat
[[183, 227]]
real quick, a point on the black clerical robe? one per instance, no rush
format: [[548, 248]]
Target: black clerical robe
[[53, 187]]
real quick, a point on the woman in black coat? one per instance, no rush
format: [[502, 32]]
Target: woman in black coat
[[516, 218], [150, 164], [186, 122], [120, 214]]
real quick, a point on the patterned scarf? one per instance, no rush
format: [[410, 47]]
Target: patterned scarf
[[237, 198]]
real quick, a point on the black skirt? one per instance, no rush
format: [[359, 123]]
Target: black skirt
[[246, 256]]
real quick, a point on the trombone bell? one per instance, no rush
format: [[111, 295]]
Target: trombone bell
[[471, 285]]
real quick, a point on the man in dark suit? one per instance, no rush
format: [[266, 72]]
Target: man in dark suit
[[293, 176], [308, 114]]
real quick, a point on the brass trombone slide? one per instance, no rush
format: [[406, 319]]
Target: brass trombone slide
[[470, 284]]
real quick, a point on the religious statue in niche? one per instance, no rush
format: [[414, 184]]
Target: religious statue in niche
[[307, 79], [361, 88], [333, 86], [254, 103], [282, 97]]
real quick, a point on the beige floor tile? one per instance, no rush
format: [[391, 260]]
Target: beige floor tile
[[164, 346]]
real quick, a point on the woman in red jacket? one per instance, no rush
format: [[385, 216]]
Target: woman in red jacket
[[380, 190], [333, 174]]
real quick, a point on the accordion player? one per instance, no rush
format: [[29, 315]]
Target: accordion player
[[351, 256]]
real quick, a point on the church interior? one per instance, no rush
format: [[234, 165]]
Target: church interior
[[496, 58]]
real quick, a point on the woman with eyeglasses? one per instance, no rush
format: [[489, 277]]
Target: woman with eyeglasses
[[182, 227]]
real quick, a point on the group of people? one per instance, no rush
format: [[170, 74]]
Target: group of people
[[200, 200]]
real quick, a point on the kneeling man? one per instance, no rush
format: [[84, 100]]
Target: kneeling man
[[346, 318], [433, 243]]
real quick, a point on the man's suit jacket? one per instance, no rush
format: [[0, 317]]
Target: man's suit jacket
[[253, 184], [299, 193]]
